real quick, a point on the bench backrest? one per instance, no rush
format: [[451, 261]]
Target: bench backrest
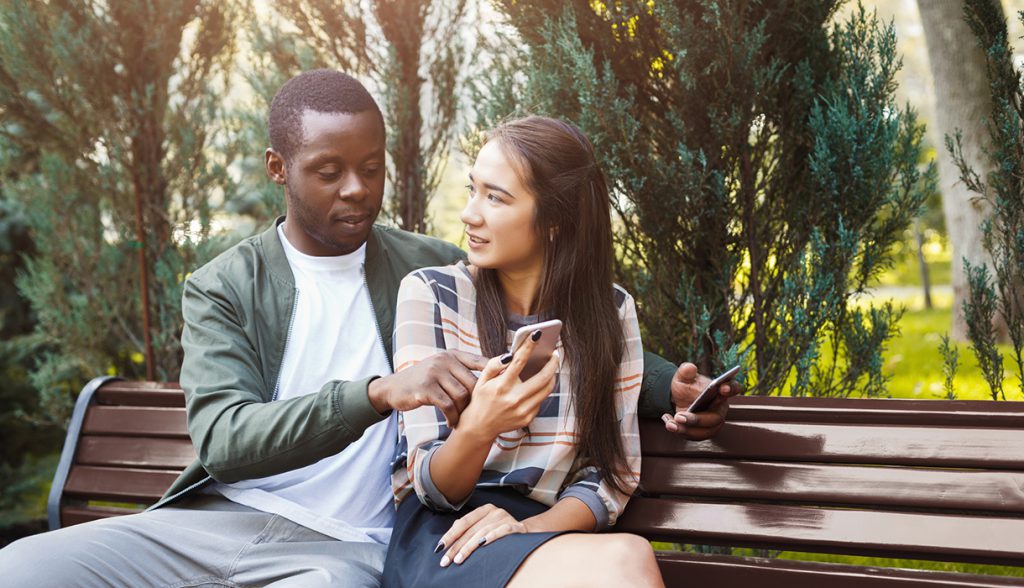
[[939, 480], [126, 443]]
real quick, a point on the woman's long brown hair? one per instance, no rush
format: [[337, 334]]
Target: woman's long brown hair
[[572, 221]]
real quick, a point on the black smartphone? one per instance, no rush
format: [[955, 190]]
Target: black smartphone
[[708, 395]]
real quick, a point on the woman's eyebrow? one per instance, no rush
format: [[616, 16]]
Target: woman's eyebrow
[[493, 187]]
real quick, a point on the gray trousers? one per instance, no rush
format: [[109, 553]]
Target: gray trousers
[[205, 541]]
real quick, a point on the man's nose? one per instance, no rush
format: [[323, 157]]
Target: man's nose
[[353, 187]]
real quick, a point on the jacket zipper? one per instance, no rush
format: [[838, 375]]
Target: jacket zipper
[[380, 338], [287, 338]]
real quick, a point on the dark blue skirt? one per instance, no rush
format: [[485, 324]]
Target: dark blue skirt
[[411, 560]]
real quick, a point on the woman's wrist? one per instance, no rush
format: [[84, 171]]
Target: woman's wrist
[[473, 432]]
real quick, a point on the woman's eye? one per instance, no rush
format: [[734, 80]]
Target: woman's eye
[[495, 198]]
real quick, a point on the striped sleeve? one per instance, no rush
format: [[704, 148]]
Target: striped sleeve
[[586, 481], [419, 334]]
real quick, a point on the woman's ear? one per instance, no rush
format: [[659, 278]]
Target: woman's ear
[[275, 166]]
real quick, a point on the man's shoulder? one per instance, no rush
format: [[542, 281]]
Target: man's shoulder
[[240, 259], [415, 251]]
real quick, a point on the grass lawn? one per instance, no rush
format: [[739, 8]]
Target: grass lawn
[[913, 361]]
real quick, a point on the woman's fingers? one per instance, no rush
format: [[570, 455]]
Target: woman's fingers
[[483, 535], [494, 524], [519, 358], [492, 370], [451, 538]]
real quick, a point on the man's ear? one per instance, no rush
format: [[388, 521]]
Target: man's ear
[[275, 166]]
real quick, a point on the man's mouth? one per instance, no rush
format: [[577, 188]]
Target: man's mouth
[[352, 219]]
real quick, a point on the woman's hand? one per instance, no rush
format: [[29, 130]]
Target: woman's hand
[[484, 525], [500, 402]]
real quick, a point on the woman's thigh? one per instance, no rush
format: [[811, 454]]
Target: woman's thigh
[[577, 559]]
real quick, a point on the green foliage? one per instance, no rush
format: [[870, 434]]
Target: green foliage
[[1000, 290], [760, 166], [950, 364], [980, 309], [410, 50], [115, 142]]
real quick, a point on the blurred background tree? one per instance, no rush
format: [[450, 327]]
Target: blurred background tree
[[114, 145], [761, 169], [995, 301], [957, 63]]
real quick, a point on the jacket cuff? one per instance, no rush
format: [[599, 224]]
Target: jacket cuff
[[593, 502], [433, 498], [353, 407], [656, 390]]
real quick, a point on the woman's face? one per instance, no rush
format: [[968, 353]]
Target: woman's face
[[499, 216]]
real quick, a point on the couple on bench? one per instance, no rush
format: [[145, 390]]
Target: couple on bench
[[325, 462]]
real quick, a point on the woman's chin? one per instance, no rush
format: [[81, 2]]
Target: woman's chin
[[477, 260]]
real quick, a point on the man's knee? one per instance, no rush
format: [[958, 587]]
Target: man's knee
[[40, 560]]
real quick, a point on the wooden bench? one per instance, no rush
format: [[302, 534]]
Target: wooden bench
[[931, 480]]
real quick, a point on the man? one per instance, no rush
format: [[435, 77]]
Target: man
[[289, 383]]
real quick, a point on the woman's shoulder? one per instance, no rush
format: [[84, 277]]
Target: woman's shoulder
[[621, 296], [451, 275]]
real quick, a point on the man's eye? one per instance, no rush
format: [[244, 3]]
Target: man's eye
[[328, 174]]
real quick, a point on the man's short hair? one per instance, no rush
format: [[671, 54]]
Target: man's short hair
[[320, 90]]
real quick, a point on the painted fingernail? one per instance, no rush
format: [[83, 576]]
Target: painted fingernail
[[482, 541], [440, 546], [535, 335], [505, 359], [445, 561], [458, 558]]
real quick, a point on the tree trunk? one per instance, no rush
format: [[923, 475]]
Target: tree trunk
[[963, 102], [926, 282]]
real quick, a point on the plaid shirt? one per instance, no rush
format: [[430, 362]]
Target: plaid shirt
[[436, 312]]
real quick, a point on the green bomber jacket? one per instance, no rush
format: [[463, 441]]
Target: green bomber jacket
[[238, 310]]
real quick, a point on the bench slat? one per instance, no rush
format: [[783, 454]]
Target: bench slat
[[118, 484], [132, 420], [683, 570], [997, 540], [135, 452], [970, 413], [954, 447], [120, 392], [892, 487]]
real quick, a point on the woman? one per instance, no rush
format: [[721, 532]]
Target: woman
[[529, 460]]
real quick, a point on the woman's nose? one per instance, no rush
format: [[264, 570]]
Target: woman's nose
[[469, 215]]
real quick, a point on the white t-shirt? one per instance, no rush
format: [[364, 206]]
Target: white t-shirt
[[333, 336]]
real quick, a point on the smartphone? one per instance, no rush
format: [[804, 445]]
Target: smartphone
[[708, 395], [549, 332]]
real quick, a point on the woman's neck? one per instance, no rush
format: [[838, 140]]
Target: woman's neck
[[521, 290]]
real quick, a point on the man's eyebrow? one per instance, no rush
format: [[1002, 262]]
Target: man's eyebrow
[[493, 187]]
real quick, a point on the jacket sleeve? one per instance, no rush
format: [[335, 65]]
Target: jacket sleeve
[[656, 391], [237, 432]]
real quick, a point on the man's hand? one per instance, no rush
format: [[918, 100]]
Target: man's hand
[[443, 380], [687, 384]]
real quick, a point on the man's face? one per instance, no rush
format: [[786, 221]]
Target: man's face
[[335, 183]]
